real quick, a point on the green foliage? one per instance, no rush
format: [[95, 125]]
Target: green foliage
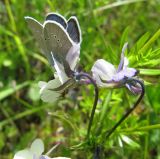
[[106, 26]]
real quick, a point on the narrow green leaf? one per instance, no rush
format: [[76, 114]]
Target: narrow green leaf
[[9, 91], [129, 141], [124, 37], [151, 72]]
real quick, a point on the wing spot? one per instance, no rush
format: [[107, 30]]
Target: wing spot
[[58, 40], [55, 36]]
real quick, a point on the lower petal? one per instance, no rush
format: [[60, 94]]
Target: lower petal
[[23, 154]]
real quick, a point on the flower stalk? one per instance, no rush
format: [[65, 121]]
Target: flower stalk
[[79, 76], [108, 134]]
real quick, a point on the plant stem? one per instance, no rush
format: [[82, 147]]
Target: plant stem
[[79, 76], [131, 110], [103, 113]]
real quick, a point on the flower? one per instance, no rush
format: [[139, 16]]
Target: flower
[[34, 152], [59, 41], [106, 75]]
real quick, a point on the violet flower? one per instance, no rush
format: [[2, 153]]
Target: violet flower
[[106, 75]]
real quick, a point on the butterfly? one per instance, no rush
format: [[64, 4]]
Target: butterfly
[[59, 40]]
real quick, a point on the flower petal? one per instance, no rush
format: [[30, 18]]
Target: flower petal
[[46, 157], [103, 70], [73, 56], [130, 72], [37, 147], [60, 70], [61, 158], [135, 88], [48, 95], [126, 62], [23, 154], [123, 58]]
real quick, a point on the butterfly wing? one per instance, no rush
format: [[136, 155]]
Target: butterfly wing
[[58, 18], [59, 44], [37, 30], [57, 39], [73, 29]]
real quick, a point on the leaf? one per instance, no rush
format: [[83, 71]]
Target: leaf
[[9, 91], [124, 37], [150, 41], [151, 72], [129, 141], [120, 142]]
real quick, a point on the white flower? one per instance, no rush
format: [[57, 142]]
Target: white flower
[[46, 90], [106, 75], [34, 152]]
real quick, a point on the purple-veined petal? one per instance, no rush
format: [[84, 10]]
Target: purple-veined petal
[[48, 95], [126, 62], [128, 72], [46, 157], [37, 147], [73, 56], [122, 61], [60, 70], [23, 154], [103, 70], [135, 89]]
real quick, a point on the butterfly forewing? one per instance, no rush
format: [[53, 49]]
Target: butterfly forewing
[[74, 30], [37, 30], [58, 18]]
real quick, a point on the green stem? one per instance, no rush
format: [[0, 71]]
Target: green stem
[[79, 76], [108, 134], [104, 112]]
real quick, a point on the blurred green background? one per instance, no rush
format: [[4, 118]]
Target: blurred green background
[[106, 25]]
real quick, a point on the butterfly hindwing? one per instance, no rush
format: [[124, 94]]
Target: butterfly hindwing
[[73, 29], [58, 18], [37, 31]]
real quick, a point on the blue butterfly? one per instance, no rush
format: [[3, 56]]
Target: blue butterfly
[[59, 40]]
